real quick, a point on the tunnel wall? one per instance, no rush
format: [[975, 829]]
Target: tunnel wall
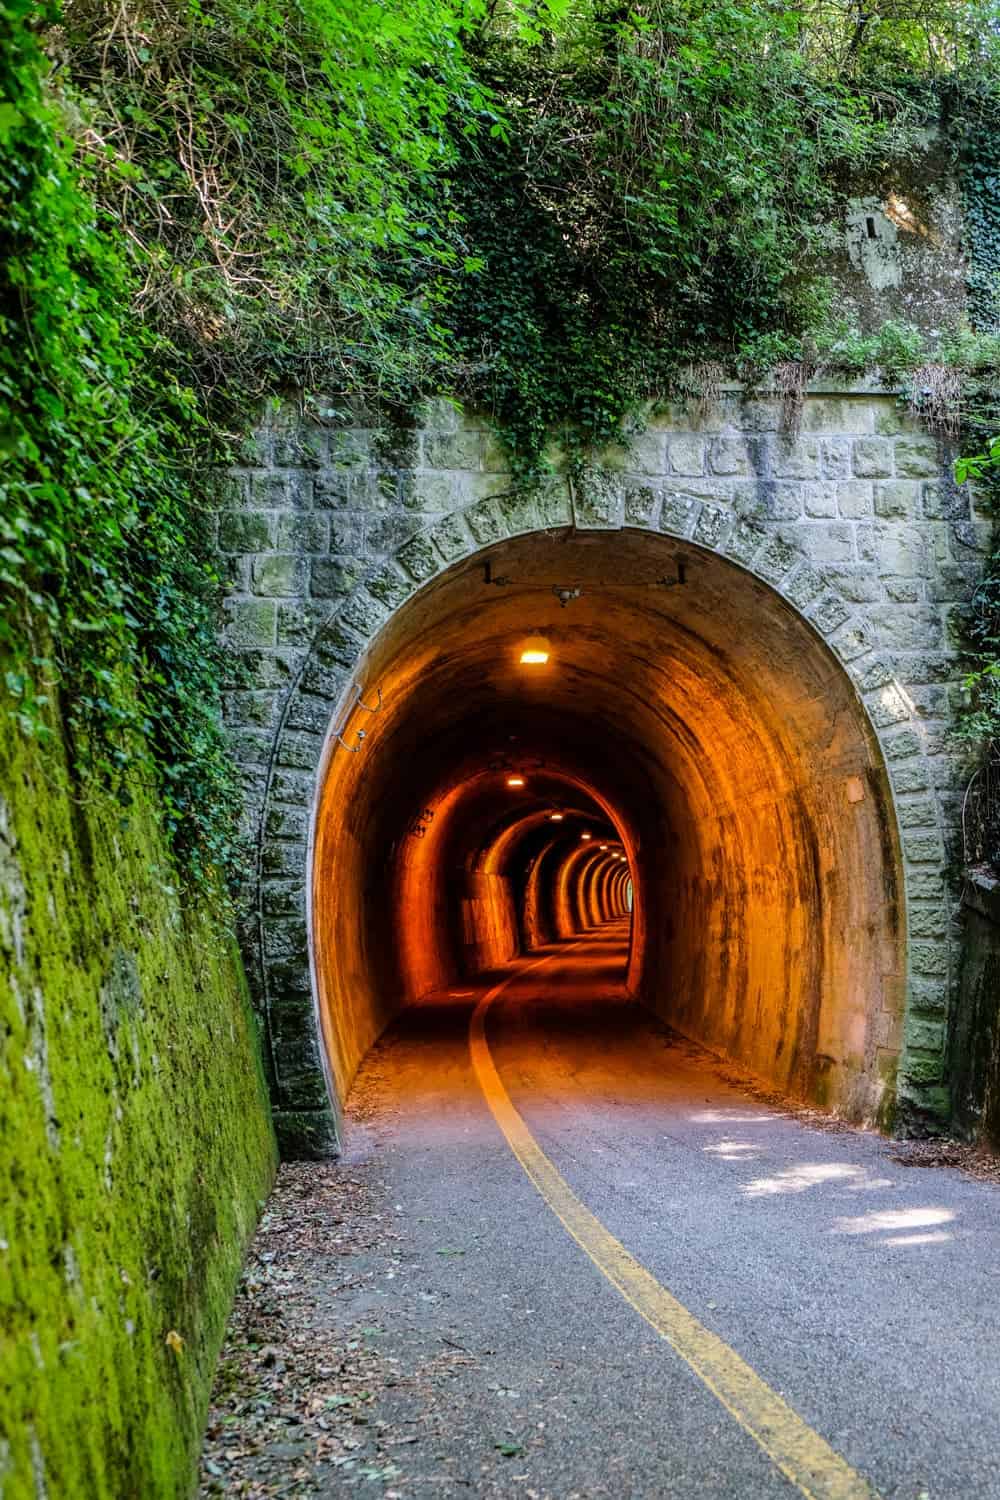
[[135, 1144], [851, 517]]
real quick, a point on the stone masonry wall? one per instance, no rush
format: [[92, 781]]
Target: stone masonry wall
[[335, 520]]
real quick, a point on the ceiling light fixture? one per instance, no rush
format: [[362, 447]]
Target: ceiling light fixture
[[515, 781], [534, 651], [555, 817], [586, 835]]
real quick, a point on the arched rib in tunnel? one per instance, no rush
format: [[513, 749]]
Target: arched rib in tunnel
[[706, 739]]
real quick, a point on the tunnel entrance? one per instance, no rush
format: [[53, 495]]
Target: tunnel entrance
[[570, 730]]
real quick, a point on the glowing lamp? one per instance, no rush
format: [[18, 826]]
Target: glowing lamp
[[534, 651], [602, 846], [586, 835], [555, 817], [515, 781]]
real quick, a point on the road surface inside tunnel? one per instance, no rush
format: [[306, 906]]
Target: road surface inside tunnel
[[797, 1266]]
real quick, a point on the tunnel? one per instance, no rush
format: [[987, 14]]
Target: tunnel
[[569, 733]]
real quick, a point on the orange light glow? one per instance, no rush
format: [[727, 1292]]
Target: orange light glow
[[555, 817], [515, 781], [586, 835], [534, 651], [602, 846]]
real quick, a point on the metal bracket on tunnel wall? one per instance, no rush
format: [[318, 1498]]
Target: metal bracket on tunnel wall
[[361, 734]]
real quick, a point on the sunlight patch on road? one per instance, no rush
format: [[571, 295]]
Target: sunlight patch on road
[[808, 1175], [887, 1219], [733, 1150]]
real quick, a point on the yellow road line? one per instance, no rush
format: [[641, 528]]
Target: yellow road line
[[799, 1452]]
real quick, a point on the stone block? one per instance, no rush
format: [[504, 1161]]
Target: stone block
[[729, 455], [419, 559], [900, 550], [397, 447], [853, 640], [828, 542], [805, 586], [768, 500], [687, 455], [246, 531], [793, 457], [282, 861], [898, 498], [902, 745], [744, 540], [945, 501], [311, 712], [872, 458], [835, 458], [552, 502], [452, 539], [679, 513], [486, 522], [903, 590], [856, 499], [820, 500], [923, 1067], [283, 898], [436, 491], [279, 575], [251, 622], [891, 417], [347, 531], [307, 531], [917, 456], [836, 414], [646, 453], [888, 707], [518, 509], [296, 787], [910, 777], [299, 749], [334, 577], [907, 627], [332, 490], [599, 500], [917, 812], [438, 414], [287, 823], [363, 613], [389, 585], [922, 848], [829, 613], [780, 554], [859, 585], [924, 1035], [872, 673], [306, 1135], [298, 622], [495, 458], [641, 501], [453, 450]]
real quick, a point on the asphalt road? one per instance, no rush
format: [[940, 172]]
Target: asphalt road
[[864, 1293]]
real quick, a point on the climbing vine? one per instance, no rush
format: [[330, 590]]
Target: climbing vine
[[557, 209]]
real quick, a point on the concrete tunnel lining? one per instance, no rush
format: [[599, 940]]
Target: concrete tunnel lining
[[707, 728]]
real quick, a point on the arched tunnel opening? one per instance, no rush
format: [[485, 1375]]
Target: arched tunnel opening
[[689, 771]]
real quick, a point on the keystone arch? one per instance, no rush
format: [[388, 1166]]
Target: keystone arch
[[729, 735]]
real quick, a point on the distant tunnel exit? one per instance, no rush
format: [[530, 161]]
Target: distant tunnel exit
[[570, 730]]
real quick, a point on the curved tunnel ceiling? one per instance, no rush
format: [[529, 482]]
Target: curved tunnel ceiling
[[703, 727]]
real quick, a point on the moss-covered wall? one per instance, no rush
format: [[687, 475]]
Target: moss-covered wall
[[975, 1021], [135, 1144]]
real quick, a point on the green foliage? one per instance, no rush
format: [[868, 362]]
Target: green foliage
[[665, 178], [99, 537]]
